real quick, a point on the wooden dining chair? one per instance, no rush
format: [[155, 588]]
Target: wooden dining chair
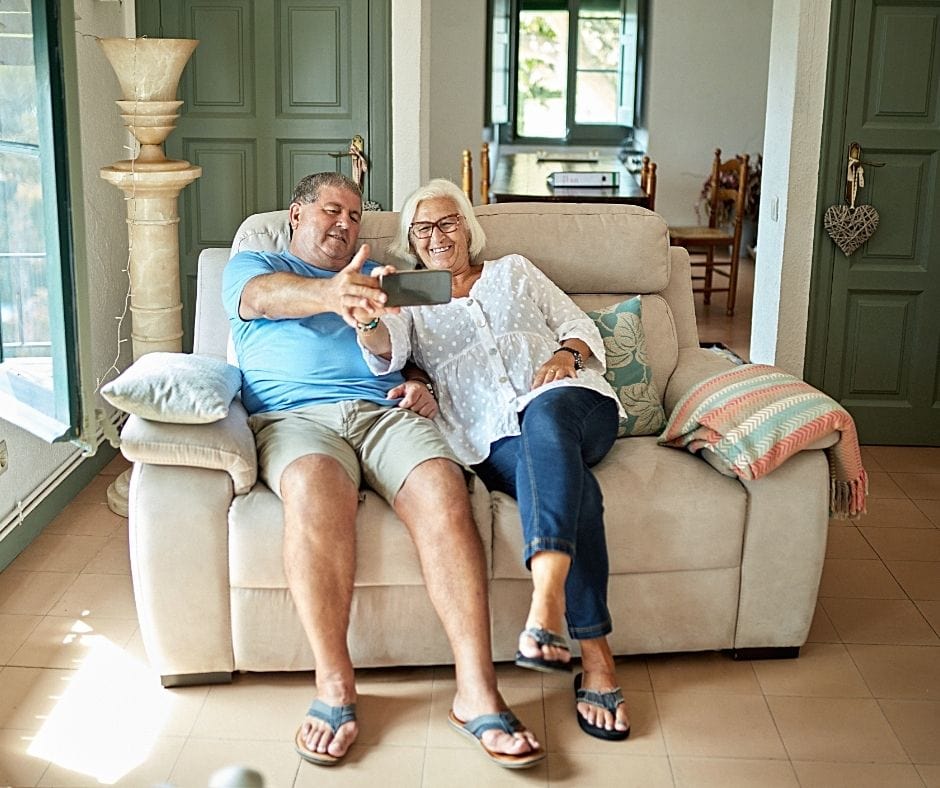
[[727, 187], [648, 181], [466, 174]]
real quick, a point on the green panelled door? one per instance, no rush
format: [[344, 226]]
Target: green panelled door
[[272, 90], [874, 332]]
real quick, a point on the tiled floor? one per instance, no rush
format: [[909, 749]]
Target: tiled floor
[[860, 707]]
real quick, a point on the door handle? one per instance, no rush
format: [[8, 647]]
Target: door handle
[[360, 164]]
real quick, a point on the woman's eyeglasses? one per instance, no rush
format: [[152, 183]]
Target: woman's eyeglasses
[[446, 225]]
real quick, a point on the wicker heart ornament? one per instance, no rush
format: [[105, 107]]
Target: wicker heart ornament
[[850, 227]]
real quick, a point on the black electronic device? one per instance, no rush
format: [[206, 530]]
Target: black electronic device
[[417, 288]]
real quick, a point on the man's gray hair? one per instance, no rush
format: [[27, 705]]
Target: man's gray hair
[[439, 187], [308, 188]]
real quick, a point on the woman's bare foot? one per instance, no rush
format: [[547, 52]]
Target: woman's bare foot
[[600, 676], [547, 610]]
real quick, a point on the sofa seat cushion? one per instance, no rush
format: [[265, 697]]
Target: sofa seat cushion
[[385, 553], [664, 511]]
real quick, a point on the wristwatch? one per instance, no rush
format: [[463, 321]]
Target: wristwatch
[[578, 358]]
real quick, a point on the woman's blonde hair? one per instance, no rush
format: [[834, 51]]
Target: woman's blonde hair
[[439, 187]]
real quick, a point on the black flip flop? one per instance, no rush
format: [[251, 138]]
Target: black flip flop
[[608, 701], [545, 637]]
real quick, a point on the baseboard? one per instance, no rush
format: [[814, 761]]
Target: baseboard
[[46, 510]]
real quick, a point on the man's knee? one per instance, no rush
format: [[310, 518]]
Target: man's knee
[[315, 477], [438, 482]]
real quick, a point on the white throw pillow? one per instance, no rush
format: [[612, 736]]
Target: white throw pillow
[[175, 387]]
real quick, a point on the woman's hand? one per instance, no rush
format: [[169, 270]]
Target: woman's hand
[[558, 367], [416, 396]]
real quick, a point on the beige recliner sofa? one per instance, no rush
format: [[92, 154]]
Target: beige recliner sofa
[[698, 560]]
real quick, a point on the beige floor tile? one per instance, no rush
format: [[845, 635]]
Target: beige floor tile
[[931, 510], [113, 770], [183, 705], [709, 725], [525, 702], [275, 760], [851, 577], [259, 706], [919, 485], [97, 595], [468, 767], [51, 552], [112, 559], [822, 670], [88, 519], [613, 768], [703, 672], [389, 767], [396, 713], [827, 729], [930, 775], [17, 766], [904, 544], [28, 695], [917, 725], [32, 593], [366, 676], [822, 630], [856, 775], [511, 675], [881, 485], [896, 621], [900, 672], [848, 542], [14, 629], [930, 611], [919, 579], [906, 459], [95, 492], [65, 641], [870, 459], [732, 773], [894, 513], [565, 735]]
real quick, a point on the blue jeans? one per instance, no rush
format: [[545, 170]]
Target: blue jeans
[[547, 469]]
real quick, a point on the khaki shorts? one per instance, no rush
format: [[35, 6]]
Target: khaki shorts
[[374, 443]]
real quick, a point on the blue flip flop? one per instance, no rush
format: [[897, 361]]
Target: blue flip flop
[[334, 716], [609, 701], [504, 721], [545, 637]]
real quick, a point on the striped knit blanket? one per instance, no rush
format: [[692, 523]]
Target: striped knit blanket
[[755, 416]]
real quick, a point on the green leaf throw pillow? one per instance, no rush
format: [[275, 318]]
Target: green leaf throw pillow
[[628, 370]]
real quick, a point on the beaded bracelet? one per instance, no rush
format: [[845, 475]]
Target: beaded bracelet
[[365, 328]]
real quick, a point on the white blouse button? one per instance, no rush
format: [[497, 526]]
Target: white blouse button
[[493, 351], [469, 302], [503, 379]]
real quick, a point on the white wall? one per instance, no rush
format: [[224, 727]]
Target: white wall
[[706, 89], [796, 94], [33, 461]]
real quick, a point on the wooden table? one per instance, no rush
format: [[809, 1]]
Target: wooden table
[[521, 177]]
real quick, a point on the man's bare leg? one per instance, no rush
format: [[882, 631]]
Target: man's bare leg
[[320, 502], [434, 504]]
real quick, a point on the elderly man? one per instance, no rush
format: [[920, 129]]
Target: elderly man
[[324, 425]]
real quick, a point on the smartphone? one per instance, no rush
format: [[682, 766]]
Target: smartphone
[[416, 288]]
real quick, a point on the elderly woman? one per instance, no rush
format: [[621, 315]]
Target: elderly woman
[[523, 401]]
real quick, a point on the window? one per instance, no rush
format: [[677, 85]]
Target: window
[[566, 71], [38, 326]]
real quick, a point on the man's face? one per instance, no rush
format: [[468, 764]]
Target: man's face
[[326, 231]]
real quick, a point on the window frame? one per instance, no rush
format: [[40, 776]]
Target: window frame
[[502, 85], [59, 153]]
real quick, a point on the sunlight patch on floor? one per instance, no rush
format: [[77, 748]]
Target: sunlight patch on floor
[[108, 715]]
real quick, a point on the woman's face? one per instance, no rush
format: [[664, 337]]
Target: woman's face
[[447, 250]]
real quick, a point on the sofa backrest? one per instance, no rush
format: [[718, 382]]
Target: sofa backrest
[[597, 253]]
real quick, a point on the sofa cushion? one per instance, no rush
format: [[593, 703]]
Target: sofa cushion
[[178, 388], [628, 370], [385, 552], [662, 345], [664, 511]]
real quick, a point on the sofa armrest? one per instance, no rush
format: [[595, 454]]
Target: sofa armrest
[[695, 364], [225, 445]]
